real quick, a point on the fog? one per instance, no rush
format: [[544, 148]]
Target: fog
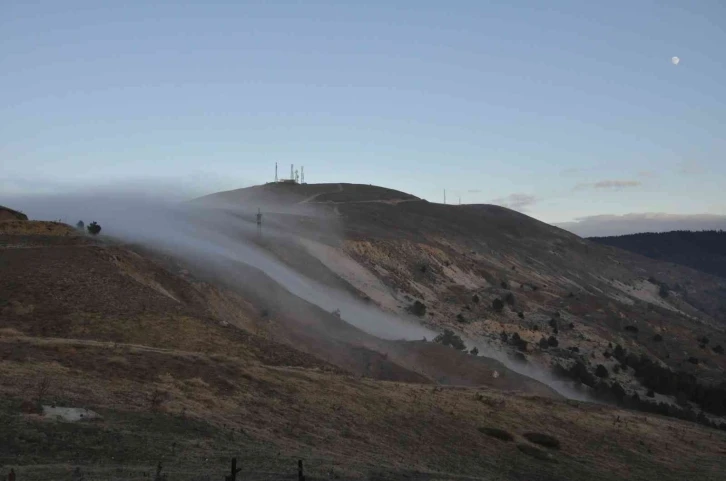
[[212, 232], [218, 234]]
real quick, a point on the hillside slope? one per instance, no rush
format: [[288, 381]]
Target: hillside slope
[[186, 370], [510, 283], [704, 251]]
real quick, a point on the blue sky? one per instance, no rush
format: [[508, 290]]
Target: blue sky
[[562, 109]]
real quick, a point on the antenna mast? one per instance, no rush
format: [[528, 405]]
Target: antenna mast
[[275, 172], [302, 174], [292, 174], [444, 196]]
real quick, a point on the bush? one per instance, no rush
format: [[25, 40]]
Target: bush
[[418, 308], [552, 341], [504, 285], [543, 440], [718, 349], [509, 298], [521, 315], [448, 338], [93, 228], [543, 344], [81, 226], [475, 299], [460, 317], [693, 360], [497, 305], [658, 338], [500, 434], [601, 371], [663, 291], [474, 351], [632, 329], [650, 393]]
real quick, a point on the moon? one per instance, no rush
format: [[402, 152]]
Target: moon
[[675, 60]]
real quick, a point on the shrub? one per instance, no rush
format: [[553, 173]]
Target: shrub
[[663, 291], [543, 440], [543, 344], [658, 338], [650, 393], [632, 329], [93, 228], [693, 360], [718, 349], [509, 298], [474, 351], [497, 433], [552, 341], [497, 305], [521, 315], [460, 317], [418, 308], [552, 323], [616, 368], [601, 371], [475, 299], [81, 226], [448, 338], [504, 285]]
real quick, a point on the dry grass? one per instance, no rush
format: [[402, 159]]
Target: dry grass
[[36, 227], [340, 420]]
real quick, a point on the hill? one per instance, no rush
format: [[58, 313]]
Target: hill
[[10, 214], [192, 359], [704, 251], [565, 304]]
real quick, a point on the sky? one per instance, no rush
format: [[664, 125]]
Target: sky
[[565, 110]]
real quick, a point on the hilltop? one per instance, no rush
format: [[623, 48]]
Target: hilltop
[[10, 214]]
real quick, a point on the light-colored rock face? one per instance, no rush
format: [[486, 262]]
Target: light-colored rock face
[[69, 414]]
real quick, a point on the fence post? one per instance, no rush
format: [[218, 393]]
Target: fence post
[[300, 476], [233, 474]]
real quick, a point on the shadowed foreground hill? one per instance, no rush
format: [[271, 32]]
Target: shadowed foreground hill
[[704, 251], [182, 372]]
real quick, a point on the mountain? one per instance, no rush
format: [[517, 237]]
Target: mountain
[[704, 251], [200, 338]]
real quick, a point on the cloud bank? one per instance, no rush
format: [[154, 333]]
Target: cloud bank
[[607, 225]]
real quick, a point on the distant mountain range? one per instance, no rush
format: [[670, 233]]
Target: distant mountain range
[[704, 250]]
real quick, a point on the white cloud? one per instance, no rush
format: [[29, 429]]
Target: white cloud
[[606, 225], [516, 201], [608, 184]]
